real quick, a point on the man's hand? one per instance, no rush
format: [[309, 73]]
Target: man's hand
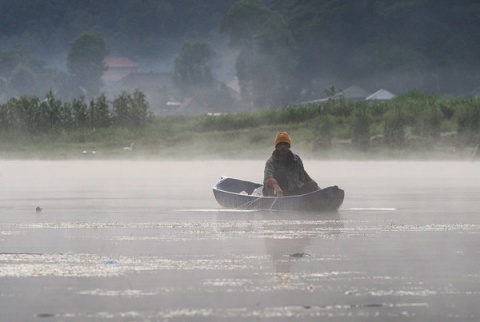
[[277, 191]]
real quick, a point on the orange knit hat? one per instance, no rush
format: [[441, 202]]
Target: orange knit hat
[[283, 137]]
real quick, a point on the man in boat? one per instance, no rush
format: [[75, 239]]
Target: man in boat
[[284, 174]]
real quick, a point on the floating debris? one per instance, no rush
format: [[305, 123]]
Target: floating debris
[[38, 209], [298, 255], [46, 315]]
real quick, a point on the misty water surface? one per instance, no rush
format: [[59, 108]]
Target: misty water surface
[[146, 241]]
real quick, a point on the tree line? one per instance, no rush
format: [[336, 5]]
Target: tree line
[[413, 121], [32, 116]]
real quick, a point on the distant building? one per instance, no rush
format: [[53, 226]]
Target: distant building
[[354, 93], [118, 69], [148, 81], [158, 88], [161, 93], [381, 94]]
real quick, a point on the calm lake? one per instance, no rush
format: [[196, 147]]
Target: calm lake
[[146, 241]]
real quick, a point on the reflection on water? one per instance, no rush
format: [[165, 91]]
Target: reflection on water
[[131, 241], [287, 242], [285, 235]]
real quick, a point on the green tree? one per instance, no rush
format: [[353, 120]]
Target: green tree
[[192, 69], [360, 41], [85, 63], [243, 22], [266, 57], [92, 116], [361, 128], [22, 81], [9, 60], [468, 123], [56, 115], [394, 128], [99, 112], [79, 113], [131, 111], [323, 132], [22, 74]]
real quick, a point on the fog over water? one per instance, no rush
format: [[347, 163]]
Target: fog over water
[[146, 241]]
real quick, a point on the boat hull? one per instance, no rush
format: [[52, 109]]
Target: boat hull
[[237, 194]]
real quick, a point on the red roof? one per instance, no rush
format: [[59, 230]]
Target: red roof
[[118, 68]]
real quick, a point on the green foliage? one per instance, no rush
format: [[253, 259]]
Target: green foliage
[[407, 125], [414, 97], [32, 116], [361, 128], [323, 132], [22, 74], [287, 49], [289, 114], [226, 122], [56, 115], [468, 123], [131, 111], [22, 81], [243, 22], [193, 77], [100, 114], [431, 49], [142, 29], [192, 70], [85, 62], [265, 64], [394, 128], [20, 115], [94, 115], [80, 113], [428, 123]]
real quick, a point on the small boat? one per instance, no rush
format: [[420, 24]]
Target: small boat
[[241, 194]]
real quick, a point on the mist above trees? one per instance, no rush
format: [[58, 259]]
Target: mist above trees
[[425, 45], [285, 51], [266, 60], [85, 63]]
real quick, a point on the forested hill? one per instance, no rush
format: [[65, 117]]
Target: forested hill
[[431, 45], [142, 28], [287, 50]]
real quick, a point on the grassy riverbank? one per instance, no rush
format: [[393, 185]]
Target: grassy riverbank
[[252, 143], [414, 126]]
